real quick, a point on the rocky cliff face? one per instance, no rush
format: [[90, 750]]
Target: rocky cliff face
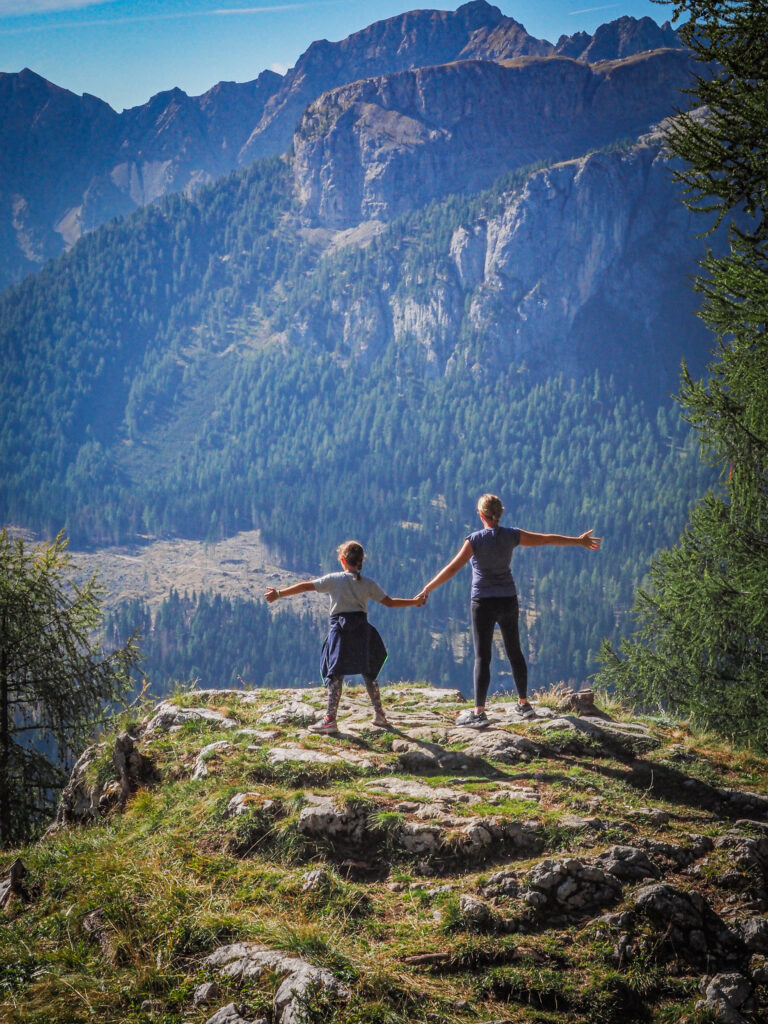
[[380, 147], [413, 40], [69, 163], [587, 263]]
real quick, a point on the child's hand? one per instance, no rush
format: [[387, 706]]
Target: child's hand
[[271, 595], [421, 598]]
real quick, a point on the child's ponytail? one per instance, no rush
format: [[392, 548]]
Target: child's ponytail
[[353, 554]]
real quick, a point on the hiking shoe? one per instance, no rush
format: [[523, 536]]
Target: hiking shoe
[[327, 727], [380, 720], [473, 720], [524, 710]]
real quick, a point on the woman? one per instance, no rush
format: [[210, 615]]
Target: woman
[[494, 598]]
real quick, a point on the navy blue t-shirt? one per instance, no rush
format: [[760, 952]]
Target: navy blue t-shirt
[[491, 558]]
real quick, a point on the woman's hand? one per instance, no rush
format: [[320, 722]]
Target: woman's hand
[[271, 594], [586, 540], [421, 598]]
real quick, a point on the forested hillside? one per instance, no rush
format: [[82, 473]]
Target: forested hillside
[[212, 364]]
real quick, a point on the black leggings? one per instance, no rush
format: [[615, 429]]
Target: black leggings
[[486, 612]]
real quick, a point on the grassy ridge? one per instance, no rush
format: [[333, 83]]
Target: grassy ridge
[[120, 915]]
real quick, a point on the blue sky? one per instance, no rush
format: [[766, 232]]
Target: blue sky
[[125, 51]]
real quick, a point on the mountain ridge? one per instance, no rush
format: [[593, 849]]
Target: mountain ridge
[[175, 142]]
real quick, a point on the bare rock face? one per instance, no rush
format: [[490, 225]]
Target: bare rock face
[[244, 960], [83, 799], [583, 262], [623, 37], [379, 147]]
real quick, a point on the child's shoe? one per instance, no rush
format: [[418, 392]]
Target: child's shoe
[[380, 720], [327, 727]]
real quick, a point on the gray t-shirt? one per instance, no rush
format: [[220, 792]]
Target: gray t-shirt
[[347, 592]]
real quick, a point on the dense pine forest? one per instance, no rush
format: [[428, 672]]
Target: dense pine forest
[[193, 361]]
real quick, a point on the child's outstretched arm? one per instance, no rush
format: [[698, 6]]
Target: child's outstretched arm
[[403, 602], [584, 540], [272, 594]]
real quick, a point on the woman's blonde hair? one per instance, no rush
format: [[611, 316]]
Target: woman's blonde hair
[[490, 506], [353, 554]]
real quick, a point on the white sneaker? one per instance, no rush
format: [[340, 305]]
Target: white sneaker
[[524, 710], [327, 727], [473, 720]]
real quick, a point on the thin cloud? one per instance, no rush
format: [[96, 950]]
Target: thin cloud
[[15, 8], [256, 10], [590, 10], [7, 8]]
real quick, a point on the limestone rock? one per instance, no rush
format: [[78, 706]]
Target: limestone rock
[[725, 994], [229, 1014], [82, 801], [628, 864], [416, 838], [207, 754], [414, 790], [477, 915], [242, 960], [324, 819], [572, 886], [13, 886], [206, 993], [754, 933], [168, 715], [506, 747], [295, 712]]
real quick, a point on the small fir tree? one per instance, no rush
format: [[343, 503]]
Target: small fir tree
[[54, 680], [701, 643]]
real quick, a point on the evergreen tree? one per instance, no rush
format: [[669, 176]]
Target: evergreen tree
[[701, 646], [54, 682]]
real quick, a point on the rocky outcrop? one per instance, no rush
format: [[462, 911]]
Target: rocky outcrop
[[380, 147], [461, 888], [623, 37]]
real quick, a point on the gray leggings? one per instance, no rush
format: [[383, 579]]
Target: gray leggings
[[335, 684]]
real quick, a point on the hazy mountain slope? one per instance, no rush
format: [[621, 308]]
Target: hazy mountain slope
[[69, 163], [584, 264], [623, 37]]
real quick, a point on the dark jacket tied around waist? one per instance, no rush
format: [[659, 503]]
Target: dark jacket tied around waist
[[353, 647]]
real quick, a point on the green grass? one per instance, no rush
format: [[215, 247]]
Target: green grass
[[174, 878]]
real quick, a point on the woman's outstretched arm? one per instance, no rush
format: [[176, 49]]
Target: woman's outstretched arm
[[459, 560], [536, 540]]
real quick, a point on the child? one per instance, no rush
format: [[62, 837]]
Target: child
[[353, 645]]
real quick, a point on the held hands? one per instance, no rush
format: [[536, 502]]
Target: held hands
[[421, 598], [586, 540]]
